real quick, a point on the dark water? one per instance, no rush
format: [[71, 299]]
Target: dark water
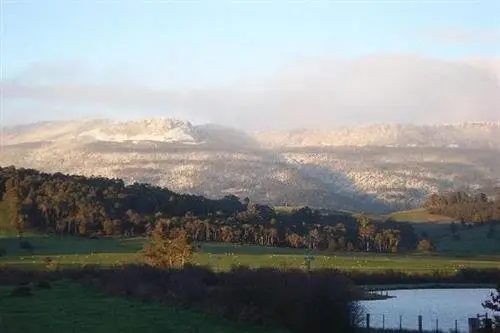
[[445, 305]]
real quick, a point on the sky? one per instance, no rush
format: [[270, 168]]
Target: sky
[[251, 64]]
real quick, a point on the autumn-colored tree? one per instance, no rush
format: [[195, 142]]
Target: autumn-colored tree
[[366, 232], [425, 245], [167, 248], [294, 240]]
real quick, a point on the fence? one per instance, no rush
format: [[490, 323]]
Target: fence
[[393, 323]]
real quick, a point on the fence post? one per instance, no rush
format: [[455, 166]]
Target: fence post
[[456, 326], [473, 325], [368, 321], [437, 325], [400, 323], [383, 323], [420, 323]]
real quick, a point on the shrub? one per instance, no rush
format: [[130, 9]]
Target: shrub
[[425, 245], [50, 264]]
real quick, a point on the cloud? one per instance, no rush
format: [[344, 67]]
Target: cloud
[[464, 37], [311, 93]]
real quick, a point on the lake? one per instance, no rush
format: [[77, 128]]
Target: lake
[[445, 305]]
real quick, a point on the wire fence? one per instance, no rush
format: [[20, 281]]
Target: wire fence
[[417, 323]]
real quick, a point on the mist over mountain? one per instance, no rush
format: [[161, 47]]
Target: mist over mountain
[[311, 92], [370, 168]]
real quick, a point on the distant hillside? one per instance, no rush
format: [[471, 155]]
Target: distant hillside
[[462, 135], [379, 168]]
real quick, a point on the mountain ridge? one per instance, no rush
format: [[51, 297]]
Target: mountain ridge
[[370, 167]]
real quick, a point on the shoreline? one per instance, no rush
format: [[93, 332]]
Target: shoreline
[[437, 285]]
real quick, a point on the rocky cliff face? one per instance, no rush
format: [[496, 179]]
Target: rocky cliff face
[[371, 168]]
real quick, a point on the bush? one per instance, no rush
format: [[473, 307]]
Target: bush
[[425, 245], [293, 299], [50, 264]]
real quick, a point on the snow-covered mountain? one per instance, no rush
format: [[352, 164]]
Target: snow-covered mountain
[[152, 129], [374, 168], [464, 135]]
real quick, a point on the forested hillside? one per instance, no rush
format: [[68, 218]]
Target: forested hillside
[[465, 207], [95, 207]]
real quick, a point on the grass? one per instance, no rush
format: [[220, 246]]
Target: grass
[[473, 241], [434, 226], [348, 261], [419, 215], [69, 251], [69, 307]]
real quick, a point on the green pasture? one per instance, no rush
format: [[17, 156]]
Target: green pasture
[[67, 251], [473, 241], [419, 215], [73, 308]]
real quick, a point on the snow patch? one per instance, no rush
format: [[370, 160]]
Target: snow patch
[[157, 130]]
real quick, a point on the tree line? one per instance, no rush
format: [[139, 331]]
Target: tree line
[[96, 206], [465, 207]]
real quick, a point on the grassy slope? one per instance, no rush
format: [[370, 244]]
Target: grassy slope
[[73, 308], [419, 215], [473, 241], [435, 226]]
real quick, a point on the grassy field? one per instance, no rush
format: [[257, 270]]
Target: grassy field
[[435, 226], [68, 307], [419, 215], [76, 251], [472, 241]]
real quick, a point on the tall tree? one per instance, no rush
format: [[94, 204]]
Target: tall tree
[[167, 249], [12, 197], [366, 232]]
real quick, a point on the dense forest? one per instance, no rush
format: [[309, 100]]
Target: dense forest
[[96, 207], [465, 207]]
